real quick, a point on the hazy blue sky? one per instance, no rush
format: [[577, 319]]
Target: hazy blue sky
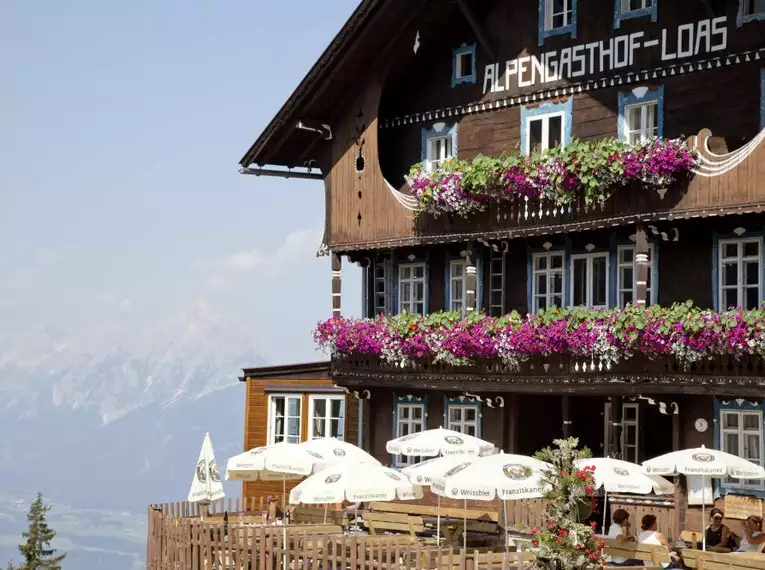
[[122, 125]]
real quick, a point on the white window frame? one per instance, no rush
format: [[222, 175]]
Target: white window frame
[[433, 162], [620, 286], [647, 5], [643, 129], [272, 417], [460, 70], [630, 451], [380, 276], [404, 460], [461, 279], [589, 287], [548, 272], [410, 304], [462, 423], [312, 398], [545, 118], [740, 259], [730, 482], [568, 11]]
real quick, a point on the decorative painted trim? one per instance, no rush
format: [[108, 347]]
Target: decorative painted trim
[[716, 239], [464, 401], [462, 50], [653, 244], [638, 96], [566, 108], [407, 399], [562, 31], [620, 15], [438, 130], [629, 78], [720, 405], [741, 19], [477, 257]]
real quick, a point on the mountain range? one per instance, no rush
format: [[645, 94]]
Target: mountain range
[[105, 423]]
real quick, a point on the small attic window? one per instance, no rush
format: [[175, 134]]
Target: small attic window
[[463, 65]]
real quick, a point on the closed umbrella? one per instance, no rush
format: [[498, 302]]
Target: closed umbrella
[[703, 462], [206, 486]]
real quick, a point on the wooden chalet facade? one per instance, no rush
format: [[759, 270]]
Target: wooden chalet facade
[[427, 80]]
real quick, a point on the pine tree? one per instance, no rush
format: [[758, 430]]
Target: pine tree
[[37, 553]]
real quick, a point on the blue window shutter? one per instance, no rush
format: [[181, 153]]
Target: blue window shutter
[[394, 284], [715, 271]]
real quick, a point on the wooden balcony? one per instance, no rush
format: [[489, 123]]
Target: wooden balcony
[[723, 375]]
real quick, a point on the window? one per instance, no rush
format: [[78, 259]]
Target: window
[[740, 273], [741, 434], [439, 144], [629, 9], [752, 7], [463, 65], [629, 435], [558, 14], [410, 418], [626, 286], [497, 284], [547, 283], [546, 126], [284, 419], [641, 114], [556, 17], [544, 132], [411, 288], [327, 416], [463, 419], [589, 279], [381, 271], [457, 289]]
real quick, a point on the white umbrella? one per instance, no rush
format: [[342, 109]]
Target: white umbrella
[[433, 442], [617, 476], [328, 451], [422, 473], [206, 486], [703, 462], [506, 476], [356, 483]]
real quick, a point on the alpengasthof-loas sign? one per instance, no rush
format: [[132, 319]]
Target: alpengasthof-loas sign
[[702, 37]]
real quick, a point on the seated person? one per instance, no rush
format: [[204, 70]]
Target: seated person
[[620, 532], [717, 533], [753, 539], [651, 535]]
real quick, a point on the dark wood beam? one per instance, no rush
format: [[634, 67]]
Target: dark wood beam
[[478, 29]]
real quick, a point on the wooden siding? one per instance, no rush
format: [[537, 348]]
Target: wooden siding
[[364, 214], [256, 423]]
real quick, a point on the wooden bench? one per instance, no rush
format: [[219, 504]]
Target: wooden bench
[[316, 515], [378, 523], [475, 559], [654, 555], [701, 560]]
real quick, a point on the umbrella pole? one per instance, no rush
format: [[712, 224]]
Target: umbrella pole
[[464, 525], [438, 520], [703, 511], [284, 521], [504, 515], [605, 506], [326, 505]]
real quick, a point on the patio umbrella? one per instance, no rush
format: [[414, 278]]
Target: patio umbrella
[[433, 442], [206, 486], [422, 473], [703, 462], [617, 476], [328, 451], [362, 482], [503, 476]]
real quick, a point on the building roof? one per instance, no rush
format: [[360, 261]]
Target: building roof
[[317, 369], [319, 94]]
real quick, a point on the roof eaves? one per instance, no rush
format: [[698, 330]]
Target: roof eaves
[[326, 61]]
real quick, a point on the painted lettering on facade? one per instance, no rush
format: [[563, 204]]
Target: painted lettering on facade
[[702, 37]]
